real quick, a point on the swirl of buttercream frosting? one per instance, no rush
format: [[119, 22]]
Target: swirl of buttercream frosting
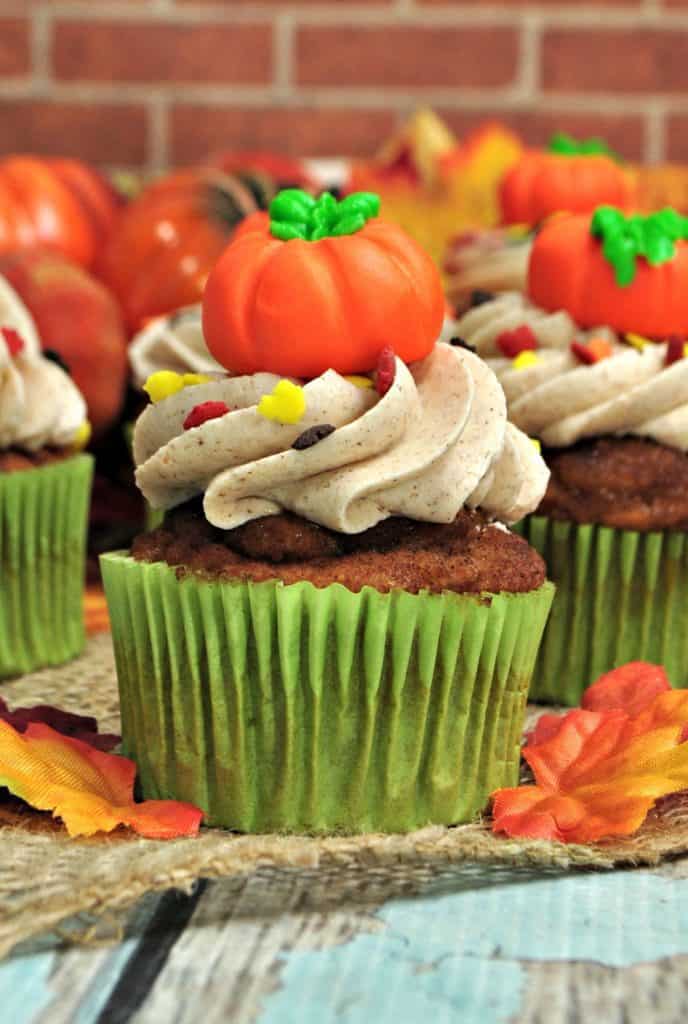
[[437, 441], [562, 400], [488, 261], [40, 406]]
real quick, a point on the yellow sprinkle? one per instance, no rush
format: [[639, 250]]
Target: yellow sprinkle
[[525, 359], [82, 436], [162, 384], [685, 351], [516, 231], [637, 341], [286, 404], [190, 379], [536, 444], [359, 382]]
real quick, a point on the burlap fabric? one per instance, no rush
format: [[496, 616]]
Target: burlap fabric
[[46, 877]]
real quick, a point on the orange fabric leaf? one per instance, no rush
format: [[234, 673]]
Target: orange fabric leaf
[[629, 688], [599, 770], [91, 791], [612, 797]]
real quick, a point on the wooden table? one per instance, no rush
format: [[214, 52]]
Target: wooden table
[[474, 946]]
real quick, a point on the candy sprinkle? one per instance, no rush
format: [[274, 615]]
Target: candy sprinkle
[[286, 404], [82, 437], [637, 341], [595, 350], [165, 383], [676, 349], [312, 436], [536, 444], [460, 343], [13, 340], [203, 412], [54, 357], [359, 381], [512, 343], [525, 359], [386, 370]]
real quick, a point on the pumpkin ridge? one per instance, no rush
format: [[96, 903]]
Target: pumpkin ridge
[[416, 286]]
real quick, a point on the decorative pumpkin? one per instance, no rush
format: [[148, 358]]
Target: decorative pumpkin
[[319, 285], [574, 178], [630, 273], [284, 171], [78, 318], [62, 205], [159, 257]]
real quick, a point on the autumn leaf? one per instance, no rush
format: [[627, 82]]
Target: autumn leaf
[[81, 727], [599, 772], [91, 791], [630, 688]]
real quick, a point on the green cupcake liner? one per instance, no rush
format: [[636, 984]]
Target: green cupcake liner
[[621, 596], [292, 708], [43, 521]]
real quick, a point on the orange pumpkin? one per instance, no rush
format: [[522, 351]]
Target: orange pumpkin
[[62, 205], [159, 257], [542, 183], [569, 271], [300, 306]]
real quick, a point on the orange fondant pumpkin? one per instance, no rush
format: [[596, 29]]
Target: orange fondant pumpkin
[[62, 205], [569, 271], [541, 183], [300, 307]]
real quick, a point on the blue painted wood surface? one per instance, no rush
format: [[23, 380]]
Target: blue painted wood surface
[[467, 950]]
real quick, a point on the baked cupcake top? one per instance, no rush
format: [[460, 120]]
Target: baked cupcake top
[[40, 406], [566, 379], [422, 440]]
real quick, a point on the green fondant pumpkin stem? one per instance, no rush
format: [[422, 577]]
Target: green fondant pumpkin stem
[[625, 238], [566, 145], [295, 214]]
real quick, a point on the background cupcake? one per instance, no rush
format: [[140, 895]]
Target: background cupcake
[[307, 644], [44, 490], [610, 405]]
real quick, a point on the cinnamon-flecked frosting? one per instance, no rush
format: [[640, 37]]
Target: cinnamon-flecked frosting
[[487, 261], [562, 400], [40, 406], [437, 441]]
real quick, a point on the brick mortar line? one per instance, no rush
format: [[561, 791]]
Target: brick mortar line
[[283, 52], [571, 16], [471, 100], [655, 149], [530, 56], [41, 43], [157, 135]]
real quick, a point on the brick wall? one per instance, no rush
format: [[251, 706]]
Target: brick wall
[[146, 83]]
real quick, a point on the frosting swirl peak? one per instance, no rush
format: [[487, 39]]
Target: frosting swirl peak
[[437, 441]]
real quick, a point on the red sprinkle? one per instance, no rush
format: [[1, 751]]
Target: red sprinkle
[[675, 349], [13, 340], [512, 343], [583, 353], [386, 370], [205, 411]]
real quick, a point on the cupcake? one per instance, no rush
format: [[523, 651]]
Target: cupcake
[[610, 406], [568, 176], [44, 491], [333, 630]]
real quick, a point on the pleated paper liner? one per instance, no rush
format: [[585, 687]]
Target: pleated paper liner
[[295, 709], [621, 596], [43, 518], [47, 877]]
